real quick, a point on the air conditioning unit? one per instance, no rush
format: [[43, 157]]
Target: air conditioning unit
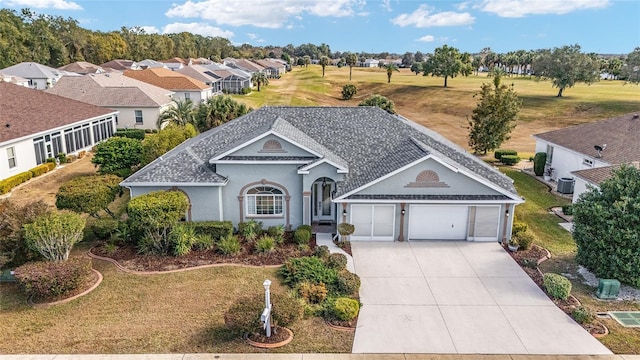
[[565, 185]]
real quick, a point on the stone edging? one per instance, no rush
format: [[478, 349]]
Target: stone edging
[[274, 345], [544, 258], [93, 287], [606, 331], [340, 328], [129, 271]]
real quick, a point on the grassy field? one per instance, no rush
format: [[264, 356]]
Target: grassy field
[[446, 110]]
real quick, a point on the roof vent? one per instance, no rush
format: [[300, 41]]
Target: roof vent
[[600, 149], [636, 116], [7, 125]]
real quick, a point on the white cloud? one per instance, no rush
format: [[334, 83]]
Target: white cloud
[[150, 29], [252, 36], [265, 14], [386, 4], [427, 38], [45, 4], [521, 8], [424, 17], [462, 6], [196, 28]]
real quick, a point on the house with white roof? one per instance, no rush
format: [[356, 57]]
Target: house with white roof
[[39, 76]]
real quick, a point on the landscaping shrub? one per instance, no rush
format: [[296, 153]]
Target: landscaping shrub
[[116, 154], [229, 245], [250, 230], [14, 250], [182, 237], [380, 101], [539, 162], [518, 227], [46, 279], [246, 91], [216, 229], [9, 183], [582, 315], [130, 133], [277, 232], [525, 239], [510, 159], [62, 158], [500, 152], [306, 227], [321, 252], [567, 209], [313, 293], [54, 234], [557, 286], [41, 169], [349, 91], [347, 283], [346, 309], [265, 244], [103, 229], [302, 237], [89, 194], [346, 229], [310, 269], [204, 242], [337, 261], [244, 315]]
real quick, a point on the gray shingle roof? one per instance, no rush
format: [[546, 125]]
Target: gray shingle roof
[[429, 197], [368, 141]]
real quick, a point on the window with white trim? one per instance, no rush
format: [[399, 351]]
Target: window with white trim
[[264, 201], [11, 155], [139, 119]]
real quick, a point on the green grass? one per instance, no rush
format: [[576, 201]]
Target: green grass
[[535, 212]]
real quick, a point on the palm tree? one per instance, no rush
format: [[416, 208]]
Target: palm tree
[[324, 62], [259, 78], [180, 114], [390, 67], [351, 60], [307, 60]]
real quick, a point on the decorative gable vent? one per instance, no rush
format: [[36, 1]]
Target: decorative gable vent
[[272, 146], [426, 179]]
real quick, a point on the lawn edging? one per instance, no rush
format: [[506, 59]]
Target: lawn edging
[[48, 304], [135, 272]]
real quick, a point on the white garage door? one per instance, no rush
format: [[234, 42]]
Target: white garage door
[[373, 222], [433, 222]]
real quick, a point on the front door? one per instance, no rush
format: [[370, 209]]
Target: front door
[[323, 208]]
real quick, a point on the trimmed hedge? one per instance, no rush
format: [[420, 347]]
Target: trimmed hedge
[[510, 159], [539, 162], [525, 239], [42, 169], [557, 286], [518, 227], [501, 152], [9, 183], [47, 279], [130, 133], [346, 309], [216, 229]]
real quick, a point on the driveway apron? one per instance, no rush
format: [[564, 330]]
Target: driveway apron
[[457, 297]]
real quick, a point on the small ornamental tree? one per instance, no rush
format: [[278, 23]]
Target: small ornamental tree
[[349, 91], [89, 194], [606, 223], [118, 155], [54, 234], [379, 101], [13, 247]]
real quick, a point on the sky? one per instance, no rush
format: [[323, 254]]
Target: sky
[[375, 26]]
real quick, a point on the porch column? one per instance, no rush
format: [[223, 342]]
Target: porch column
[[402, 212], [506, 221], [240, 201], [287, 200], [306, 207]]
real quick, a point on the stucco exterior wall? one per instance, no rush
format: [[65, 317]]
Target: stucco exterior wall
[[256, 148], [204, 200], [564, 161], [24, 155], [127, 118]]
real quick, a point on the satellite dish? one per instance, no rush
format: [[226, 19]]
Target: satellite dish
[[600, 149]]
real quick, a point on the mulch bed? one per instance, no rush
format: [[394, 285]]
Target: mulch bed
[[344, 245], [278, 334], [345, 324], [86, 284], [128, 257]]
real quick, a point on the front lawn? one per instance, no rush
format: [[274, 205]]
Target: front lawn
[[168, 313]]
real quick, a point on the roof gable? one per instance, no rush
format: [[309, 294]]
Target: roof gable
[[167, 79]]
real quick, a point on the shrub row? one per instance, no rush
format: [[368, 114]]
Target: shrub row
[[47, 279], [510, 159], [500, 152], [216, 229], [130, 133], [9, 183]]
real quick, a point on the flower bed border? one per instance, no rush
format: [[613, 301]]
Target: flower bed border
[[274, 345], [48, 304]]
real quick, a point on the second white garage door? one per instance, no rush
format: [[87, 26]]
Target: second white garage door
[[433, 222], [373, 222]]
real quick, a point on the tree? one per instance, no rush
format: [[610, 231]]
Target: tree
[[259, 78], [89, 194], [379, 101], [218, 110], [494, 117], [606, 223], [565, 67], [166, 139], [348, 91], [181, 114], [390, 68], [631, 68], [416, 68], [324, 62], [54, 234], [306, 60], [118, 155], [418, 57], [351, 60], [446, 62], [13, 247], [407, 59]]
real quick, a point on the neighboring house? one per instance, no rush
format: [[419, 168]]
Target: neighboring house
[[82, 68], [203, 74], [390, 177], [45, 126], [14, 79], [39, 76], [574, 150], [243, 64], [183, 86], [138, 104], [148, 63], [272, 68], [370, 63], [231, 80], [121, 65]]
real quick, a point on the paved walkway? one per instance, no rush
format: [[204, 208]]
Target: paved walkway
[[457, 297], [269, 356]]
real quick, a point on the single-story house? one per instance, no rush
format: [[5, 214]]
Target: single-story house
[[390, 177], [204, 74], [272, 68], [39, 76], [230, 80], [601, 144], [243, 64], [138, 104], [183, 86], [45, 126], [14, 79], [82, 68], [121, 65], [148, 63]]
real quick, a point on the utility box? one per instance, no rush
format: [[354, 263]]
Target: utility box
[[608, 288], [565, 185]]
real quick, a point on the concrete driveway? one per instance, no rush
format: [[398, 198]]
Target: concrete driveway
[[457, 297]]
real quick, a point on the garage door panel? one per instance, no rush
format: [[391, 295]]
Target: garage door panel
[[383, 217], [373, 222], [361, 217], [432, 222], [486, 223]]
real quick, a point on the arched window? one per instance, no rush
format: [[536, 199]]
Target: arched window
[[265, 201]]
